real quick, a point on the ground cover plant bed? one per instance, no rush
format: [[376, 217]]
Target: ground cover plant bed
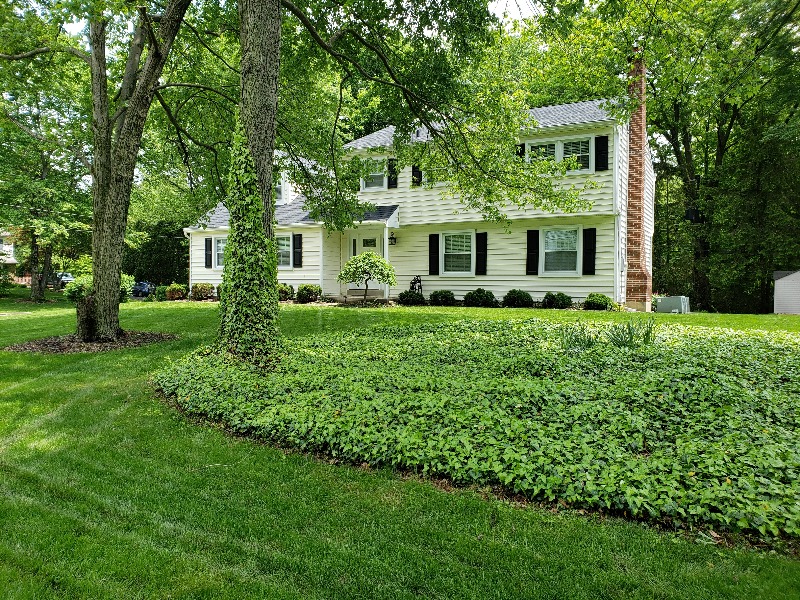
[[698, 428]]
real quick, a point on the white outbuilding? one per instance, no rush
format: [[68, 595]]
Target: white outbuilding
[[787, 292]]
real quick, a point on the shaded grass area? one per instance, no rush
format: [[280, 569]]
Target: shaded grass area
[[106, 492]]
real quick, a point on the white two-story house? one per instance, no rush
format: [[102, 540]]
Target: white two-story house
[[607, 249]]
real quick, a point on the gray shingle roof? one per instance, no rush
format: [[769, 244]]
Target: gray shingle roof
[[379, 139], [575, 113], [288, 214], [781, 274]]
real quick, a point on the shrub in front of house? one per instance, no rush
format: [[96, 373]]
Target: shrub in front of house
[[202, 291], [410, 298], [481, 298], [308, 292], [442, 298], [161, 293], [556, 300], [285, 292], [176, 291], [595, 301], [517, 299]]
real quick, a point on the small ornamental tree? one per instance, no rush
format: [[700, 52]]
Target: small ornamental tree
[[365, 267]]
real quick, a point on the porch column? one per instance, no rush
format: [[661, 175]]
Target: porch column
[[386, 256]]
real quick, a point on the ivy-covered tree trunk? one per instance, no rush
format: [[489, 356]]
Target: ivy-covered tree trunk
[[249, 299], [248, 325]]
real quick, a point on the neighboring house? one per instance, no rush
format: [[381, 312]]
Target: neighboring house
[[7, 259], [787, 292], [607, 249]]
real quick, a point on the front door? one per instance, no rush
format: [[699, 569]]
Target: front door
[[366, 242]]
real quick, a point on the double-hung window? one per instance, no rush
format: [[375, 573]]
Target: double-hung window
[[543, 151], [284, 243], [219, 250], [457, 252], [374, 181], [278, 187], [561, 251], [579, 150]]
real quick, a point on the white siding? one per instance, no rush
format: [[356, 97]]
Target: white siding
[[787, 294], [419, 205], [308, 273], [506, 260]]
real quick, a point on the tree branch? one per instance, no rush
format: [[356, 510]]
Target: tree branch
[[198, 87], [212, 51], [76, 152], [76, 52]]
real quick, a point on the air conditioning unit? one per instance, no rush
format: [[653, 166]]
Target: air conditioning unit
[[672, 304]]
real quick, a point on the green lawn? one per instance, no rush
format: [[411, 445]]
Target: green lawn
[[107, 492]]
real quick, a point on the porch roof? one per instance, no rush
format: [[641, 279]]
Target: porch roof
[[288, 214]]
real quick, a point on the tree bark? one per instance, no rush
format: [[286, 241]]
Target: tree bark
[[114, 164], [260, 38]]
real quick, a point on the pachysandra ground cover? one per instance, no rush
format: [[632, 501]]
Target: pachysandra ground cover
[[698, 427]]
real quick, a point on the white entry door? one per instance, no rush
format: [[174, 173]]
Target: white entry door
[[366, 242]]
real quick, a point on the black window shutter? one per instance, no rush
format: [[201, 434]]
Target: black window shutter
[[532, 264], [297, 250], [433, 254], [601, 153], [209, 253], [589, 250], [416, 175], [521, 150], [481, 252], [392, 167]]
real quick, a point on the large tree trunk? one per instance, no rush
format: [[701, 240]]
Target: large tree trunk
[[249, 303], [114, 163]]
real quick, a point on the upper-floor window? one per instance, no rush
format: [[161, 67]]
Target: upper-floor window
[[278, 187], [543, 151], [374, 181], [578, 149]]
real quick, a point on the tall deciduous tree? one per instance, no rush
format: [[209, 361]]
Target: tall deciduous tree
[[711, 65], [118, 113]]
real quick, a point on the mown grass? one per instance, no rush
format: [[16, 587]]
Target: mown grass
[[106, 492]]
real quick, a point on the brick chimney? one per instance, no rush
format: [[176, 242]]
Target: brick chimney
[[639, 281]]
